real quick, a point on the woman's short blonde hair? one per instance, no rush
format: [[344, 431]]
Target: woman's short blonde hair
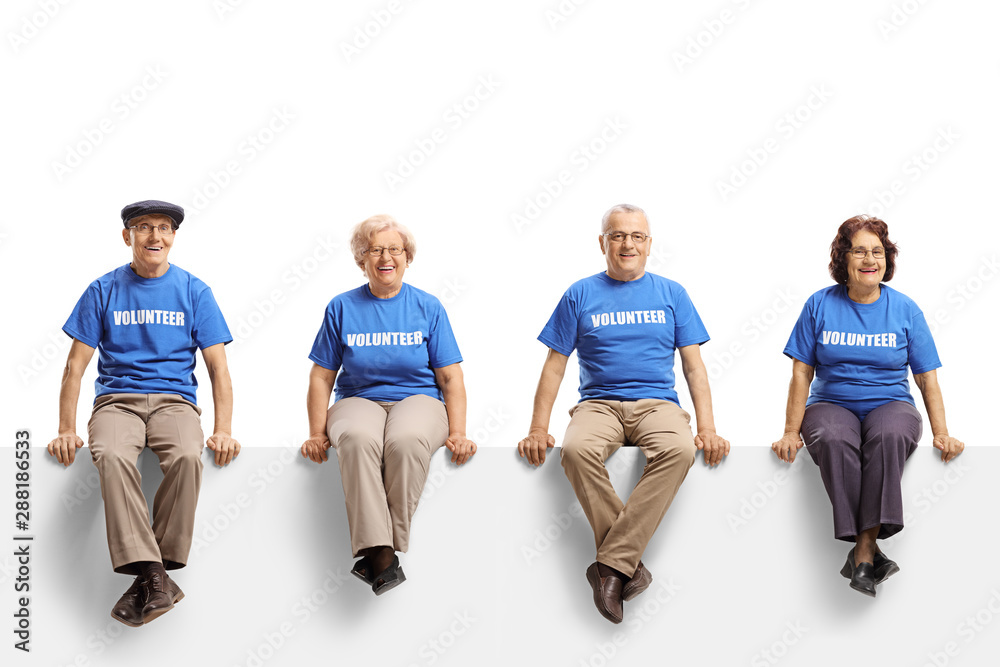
[[365, 231]]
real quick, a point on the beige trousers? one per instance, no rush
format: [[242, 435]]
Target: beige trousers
[[384, 451], [121, 426], [597, 429]]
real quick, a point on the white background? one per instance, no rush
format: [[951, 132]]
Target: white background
[[894, 78], [678, 130]]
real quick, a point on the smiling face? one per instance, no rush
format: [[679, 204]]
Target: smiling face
[[385, 271], [626, 259], [149, 250], [865, 274]]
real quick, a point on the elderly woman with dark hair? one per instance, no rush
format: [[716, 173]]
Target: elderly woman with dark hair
[[391, 352], [859, 338]]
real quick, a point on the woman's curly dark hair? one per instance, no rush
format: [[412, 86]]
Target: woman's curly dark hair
[[842, 245]]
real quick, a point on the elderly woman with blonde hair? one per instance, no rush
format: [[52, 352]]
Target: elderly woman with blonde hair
[[400, 395]]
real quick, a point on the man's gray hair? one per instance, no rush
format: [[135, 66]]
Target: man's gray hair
[[620, 208]]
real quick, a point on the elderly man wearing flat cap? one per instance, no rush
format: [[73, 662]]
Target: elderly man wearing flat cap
[[147, 318]]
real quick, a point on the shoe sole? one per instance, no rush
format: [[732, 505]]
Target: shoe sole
[[389, 585], [846, 573], [870, 594], [596, 585], [893, 570], [156, 613], [128, 623]]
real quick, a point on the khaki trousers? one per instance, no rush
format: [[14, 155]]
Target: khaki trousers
[[384, 451], [662, 430], [121, 426]]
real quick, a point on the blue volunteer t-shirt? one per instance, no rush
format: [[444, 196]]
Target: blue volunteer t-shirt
[[146, 330], [625, 334], [861, 350], [385, 349]]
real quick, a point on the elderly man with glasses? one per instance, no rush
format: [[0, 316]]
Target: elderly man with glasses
[[147, 318], [625, 324]]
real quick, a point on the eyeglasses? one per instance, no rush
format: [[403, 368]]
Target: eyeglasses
[[145, 228], [618, 237], [861, 253], [394, 250]]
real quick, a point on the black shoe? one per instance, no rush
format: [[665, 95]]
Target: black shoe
[[388, 578], [884, 568], [363, 570], [862, 576]]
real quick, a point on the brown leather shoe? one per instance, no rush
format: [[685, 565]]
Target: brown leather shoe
[[639, 582], [607, 594], [161, 594], [128, 610]]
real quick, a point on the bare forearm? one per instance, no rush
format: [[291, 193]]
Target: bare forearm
[[455, 405], [317, 404], [69, 396], [545, 398], [798, 394], [701, 397], [222, 398], [934, 403]]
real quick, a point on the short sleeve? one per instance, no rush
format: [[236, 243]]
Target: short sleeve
[[688, 327], [921, 353], [209, 325], [327, 349], [86, 322], [442, 348], [560, 332], [802, 343]]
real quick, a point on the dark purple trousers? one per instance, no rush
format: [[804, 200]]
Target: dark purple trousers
[[861, 463]]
